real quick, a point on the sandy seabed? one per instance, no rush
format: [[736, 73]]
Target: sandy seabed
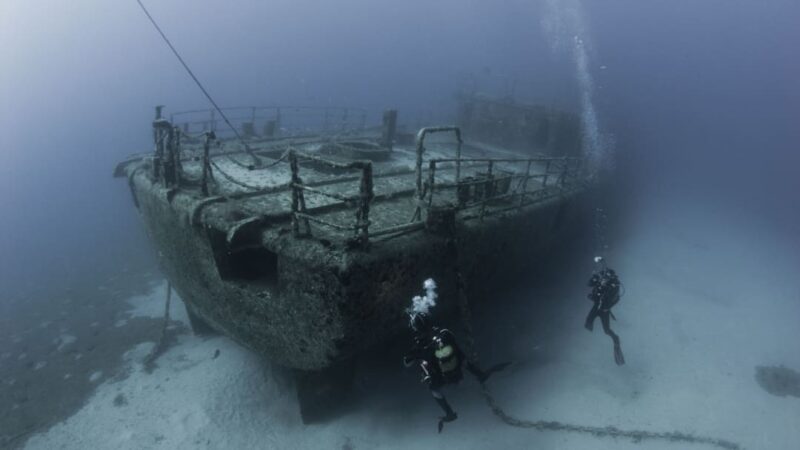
[[707, 300]]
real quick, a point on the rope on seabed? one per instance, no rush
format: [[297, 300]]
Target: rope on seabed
[[552, 425], [161, 346]]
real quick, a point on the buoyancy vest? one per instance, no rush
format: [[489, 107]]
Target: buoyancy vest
[[447, 358]]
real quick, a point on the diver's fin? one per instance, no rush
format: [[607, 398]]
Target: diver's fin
[[448, 418], [618, 357], [450, 415]]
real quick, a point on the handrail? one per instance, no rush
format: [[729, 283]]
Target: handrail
[[363, 199], [424, 132], [274, 118], [568, 169]]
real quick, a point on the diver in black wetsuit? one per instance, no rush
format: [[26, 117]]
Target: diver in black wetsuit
[[440, 359], [605, 294]]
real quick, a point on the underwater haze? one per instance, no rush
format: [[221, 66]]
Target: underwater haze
[[688, 114]]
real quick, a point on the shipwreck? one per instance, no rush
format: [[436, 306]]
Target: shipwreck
[[303, 233]]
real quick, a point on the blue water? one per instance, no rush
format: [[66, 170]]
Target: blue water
[[690, 107]]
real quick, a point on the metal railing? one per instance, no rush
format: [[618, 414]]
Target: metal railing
[[494, 186], [490, 186], [272, 121], [362, 200]]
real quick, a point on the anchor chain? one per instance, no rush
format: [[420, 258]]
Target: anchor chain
[[552, 425]]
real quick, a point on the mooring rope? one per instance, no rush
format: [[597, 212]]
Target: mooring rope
[[255, 159], [251, 187], [161, 345], [552, 425]]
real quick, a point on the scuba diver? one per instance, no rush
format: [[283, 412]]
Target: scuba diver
[[440, 359], [605, 294]]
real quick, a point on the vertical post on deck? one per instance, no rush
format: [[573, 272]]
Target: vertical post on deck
[[157, 143], [207, 163], [389, 128], [458, 155], [177, 167], [295, 196], [488, 190], [162, 162], [365, 198], [168, 172], [419, 194], [546, 173], [525, 183], [431, 180], [563, 177]]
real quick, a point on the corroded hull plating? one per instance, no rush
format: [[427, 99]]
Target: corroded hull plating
[[327, 303]]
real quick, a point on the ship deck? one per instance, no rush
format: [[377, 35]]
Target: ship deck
[[490, 180]]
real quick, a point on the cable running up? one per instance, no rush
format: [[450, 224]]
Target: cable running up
[[256, 161]]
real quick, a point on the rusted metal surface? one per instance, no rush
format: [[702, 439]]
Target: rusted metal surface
[[309, 266]]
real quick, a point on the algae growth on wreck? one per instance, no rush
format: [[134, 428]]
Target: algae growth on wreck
[[245, 280]]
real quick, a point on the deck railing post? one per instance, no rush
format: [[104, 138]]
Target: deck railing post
[[418, 167], [458, 154], [525, 183], [164, 158], [157, 150], [489, 189], [431, 180], [365, 198], [563, 177], [546, 173], [420, 193], [176, 156], [295, 193], [207, 163]]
